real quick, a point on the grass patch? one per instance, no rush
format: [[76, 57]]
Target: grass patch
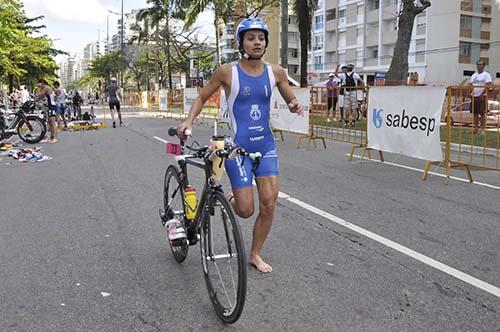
[[464, 135]]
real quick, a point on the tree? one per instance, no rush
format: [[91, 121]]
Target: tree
[[23, 57], [398, 71], [284, 34], [304, 10], [107, 65], [225, 11]]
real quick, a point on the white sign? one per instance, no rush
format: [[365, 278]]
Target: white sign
[[144, 99], [224, 108], [283, 119], [190, 94], [406, 120], [163, 100]]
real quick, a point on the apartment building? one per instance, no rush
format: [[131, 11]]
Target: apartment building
[[448, 38]]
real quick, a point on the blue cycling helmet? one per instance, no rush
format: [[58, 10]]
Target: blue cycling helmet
[[251, 24]]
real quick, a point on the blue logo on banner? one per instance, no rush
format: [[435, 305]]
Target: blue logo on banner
[[377, 118]]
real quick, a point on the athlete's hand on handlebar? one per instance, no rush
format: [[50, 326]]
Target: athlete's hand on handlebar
[[184, 130]]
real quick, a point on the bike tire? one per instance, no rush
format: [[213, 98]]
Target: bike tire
[[173, 190], [35, 122], [231, 240]]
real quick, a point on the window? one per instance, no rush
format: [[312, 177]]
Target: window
[[318, 22], [464, 49], [465, 22], [294, 53], [318, 42], [341, 13], [331, 14], [373, 5], [293, 35]]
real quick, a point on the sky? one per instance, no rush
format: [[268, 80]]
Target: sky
[[72, 24]]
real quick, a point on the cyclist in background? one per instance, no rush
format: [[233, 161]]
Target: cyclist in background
[[249, 83]]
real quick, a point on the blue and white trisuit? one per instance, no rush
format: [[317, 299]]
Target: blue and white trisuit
[[249, 103]]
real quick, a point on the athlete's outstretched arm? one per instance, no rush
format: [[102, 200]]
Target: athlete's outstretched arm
[[208, 90], [286, 92]]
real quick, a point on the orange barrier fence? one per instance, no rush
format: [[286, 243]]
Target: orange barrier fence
[[471, 119]]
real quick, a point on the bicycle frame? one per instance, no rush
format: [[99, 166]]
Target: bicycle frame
[[208, 187]]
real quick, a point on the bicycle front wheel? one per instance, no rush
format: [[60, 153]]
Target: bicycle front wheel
[[32, 131], [223, 258], [173, 203]]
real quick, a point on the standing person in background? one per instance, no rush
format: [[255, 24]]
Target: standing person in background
[[331, 86], [77, 105], [24, 95], [60, 99], [348, 91], [45, 91], [482, 79], [114, 97]]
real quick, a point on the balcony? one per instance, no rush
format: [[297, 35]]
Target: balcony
[[464, 59], [331, 46], [466, 33], [331, 25], [372, 16], [389, 37], [371, 63], [485, 35], [466, 6], [371, 39], [318, 66]]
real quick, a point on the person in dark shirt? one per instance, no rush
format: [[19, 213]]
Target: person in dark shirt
[[114, 96]]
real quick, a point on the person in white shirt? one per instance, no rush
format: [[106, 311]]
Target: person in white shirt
[[348, 92], [480, 80], [25, 95]]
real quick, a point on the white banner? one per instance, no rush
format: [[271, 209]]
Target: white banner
[[283, 119], [406, 120], [190, 94], [163, 100], [144, 100], [224, 108]]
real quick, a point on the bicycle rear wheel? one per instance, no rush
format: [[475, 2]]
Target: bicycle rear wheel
[[223, 258], [173, 204], [33, 131]]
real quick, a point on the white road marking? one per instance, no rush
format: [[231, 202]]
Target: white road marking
[[396, 246], [63, 305], [160, 139], [104, 294], [329, 264], [433, 173], [402, 249]]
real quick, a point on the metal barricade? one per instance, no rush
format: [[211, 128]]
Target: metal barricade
[[471, 116], [340, 115]]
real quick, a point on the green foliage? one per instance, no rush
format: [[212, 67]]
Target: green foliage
[[107, 65], [23, 57]]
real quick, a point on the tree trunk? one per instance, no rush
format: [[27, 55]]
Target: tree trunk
[[169, 56], [218, 27], [303, 61], [398, 71], [284, 33]]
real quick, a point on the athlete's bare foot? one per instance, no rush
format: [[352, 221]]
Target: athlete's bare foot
[[260, 265]]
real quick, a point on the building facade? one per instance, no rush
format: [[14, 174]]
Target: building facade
[[447, 40]]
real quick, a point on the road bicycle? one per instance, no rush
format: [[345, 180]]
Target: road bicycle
[[214, 225], [30, 128]]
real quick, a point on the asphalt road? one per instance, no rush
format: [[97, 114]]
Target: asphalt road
[[82, 247]]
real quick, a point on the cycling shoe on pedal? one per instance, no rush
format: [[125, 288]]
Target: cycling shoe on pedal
[[176, 233]]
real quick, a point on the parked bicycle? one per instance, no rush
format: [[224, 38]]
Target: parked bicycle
[[30, 128], [212, 221]]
